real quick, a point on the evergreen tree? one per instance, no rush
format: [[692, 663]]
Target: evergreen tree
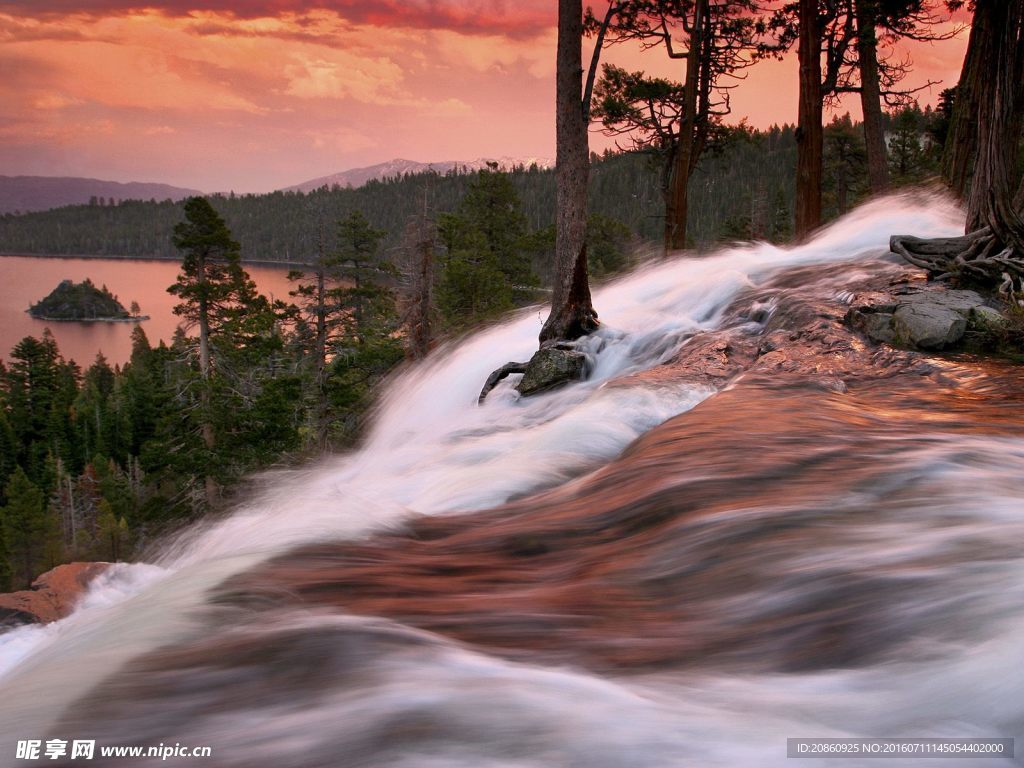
[[317, 317], [112, 533], [608, 241], [8, 451], [845, 163], [487, 267], [37, 398], [6, 572], [24, 522], [417, 269], [368, 304], [909, 158], [215, 294]]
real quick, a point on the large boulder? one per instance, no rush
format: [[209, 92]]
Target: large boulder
[[927, 325], [924, 319], [52, 595], [552, 367]]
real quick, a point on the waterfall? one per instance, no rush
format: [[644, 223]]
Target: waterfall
[[396, 694]]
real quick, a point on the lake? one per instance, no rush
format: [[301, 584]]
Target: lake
[[25, 280]]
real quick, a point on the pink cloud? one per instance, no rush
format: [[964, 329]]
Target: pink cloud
[[517, 19]]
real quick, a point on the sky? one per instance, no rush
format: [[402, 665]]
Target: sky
[[253, 96]]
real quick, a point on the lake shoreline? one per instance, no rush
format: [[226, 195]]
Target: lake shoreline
[[47, 319], [23, 280]]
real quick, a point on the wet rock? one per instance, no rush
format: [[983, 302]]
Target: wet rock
[[923, 319], [877, 326], [927, 325], [52, 596], [552, 367]]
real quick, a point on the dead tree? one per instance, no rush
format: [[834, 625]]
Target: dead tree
[[416, 271]]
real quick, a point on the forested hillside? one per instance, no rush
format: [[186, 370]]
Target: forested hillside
[[753, 174], [744, 190]]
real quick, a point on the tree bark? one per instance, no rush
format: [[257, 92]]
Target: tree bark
[[992, 251], [809, 134], [870, 96], [962, 138], [677, 210], [572, 313], [998, 121], [206, 425]]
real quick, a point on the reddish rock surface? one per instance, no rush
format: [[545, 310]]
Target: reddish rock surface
[[52, 596], [691, 547]]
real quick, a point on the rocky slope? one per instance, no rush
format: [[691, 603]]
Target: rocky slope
[[52, 596]]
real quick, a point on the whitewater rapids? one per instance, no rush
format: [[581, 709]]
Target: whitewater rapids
[[151, 657]]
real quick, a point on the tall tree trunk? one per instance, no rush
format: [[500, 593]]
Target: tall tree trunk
[[998, 120], [809, 134], [962, 138], [870, 96], [992, 251], [206, 424], [320, 349], [677, 212], [321, 356], [572, 314], [422, 330]]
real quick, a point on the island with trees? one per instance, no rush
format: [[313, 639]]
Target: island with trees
[[84, 302]]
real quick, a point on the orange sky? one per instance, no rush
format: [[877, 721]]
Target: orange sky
[[253, 96]]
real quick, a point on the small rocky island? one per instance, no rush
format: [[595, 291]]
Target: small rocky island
[[83, 302]]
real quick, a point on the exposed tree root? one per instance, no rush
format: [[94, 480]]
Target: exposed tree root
[[979, 257], [492, 381]]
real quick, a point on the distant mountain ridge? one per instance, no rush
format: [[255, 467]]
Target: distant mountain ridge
[[357, 177], [41, 193]]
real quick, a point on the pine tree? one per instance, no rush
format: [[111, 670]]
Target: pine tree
[[215, 293], [845, 163], [35, 392], [6, 572], [908, 156], [112, 533], [24, 523], [8, 452], [607, 245], [486, 268], [417, 269], [367, 302]]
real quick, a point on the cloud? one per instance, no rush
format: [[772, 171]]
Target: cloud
[[516, 19], [341, 76]]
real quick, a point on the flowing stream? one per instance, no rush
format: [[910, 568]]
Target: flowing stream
[[779, 562]]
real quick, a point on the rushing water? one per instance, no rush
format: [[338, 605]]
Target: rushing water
[[25, 280], [784, 561]]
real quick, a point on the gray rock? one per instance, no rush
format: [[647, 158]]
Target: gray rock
[[878, 326], [961, 302], [875, 322], [925, 319], [551, 367], [986, 319], [929, 325]]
